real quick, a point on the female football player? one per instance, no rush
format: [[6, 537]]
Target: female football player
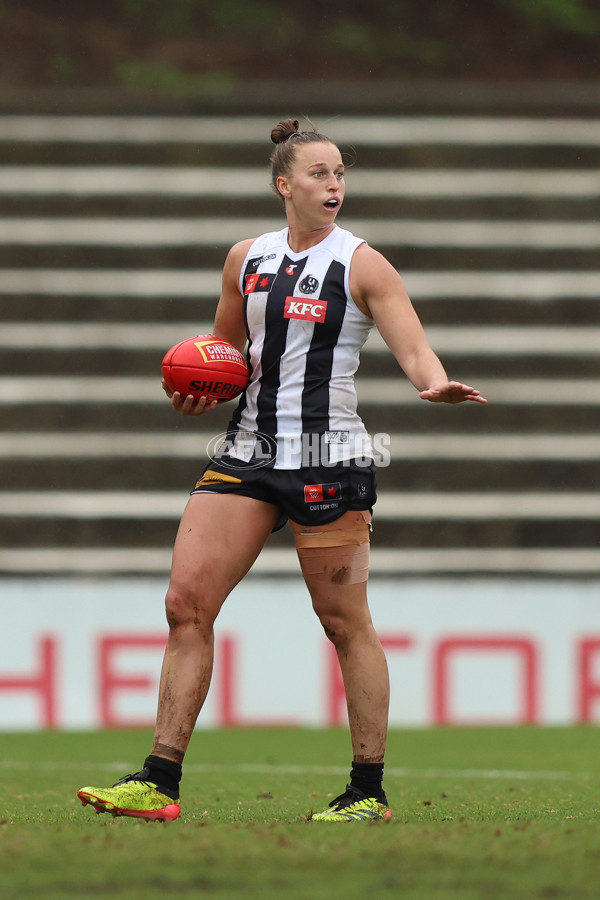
[[300, 302]]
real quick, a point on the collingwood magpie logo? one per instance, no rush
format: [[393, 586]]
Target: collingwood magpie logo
[[309, 285]]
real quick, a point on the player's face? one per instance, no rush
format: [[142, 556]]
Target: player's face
[[315, 187]]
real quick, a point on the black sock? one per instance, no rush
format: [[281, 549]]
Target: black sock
[[368, 778], [163, 772]]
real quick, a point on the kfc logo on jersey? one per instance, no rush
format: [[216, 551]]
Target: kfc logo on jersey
[[259, 281], [317, 493], [301, 308]]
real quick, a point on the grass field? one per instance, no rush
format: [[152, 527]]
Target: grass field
[[478, 813]]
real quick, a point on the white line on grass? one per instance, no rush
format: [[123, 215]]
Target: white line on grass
[[390, 771], [263, 769]]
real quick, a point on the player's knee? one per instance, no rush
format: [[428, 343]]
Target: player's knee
[[335, 629], [178, 606], [348, 632], [185, 608]]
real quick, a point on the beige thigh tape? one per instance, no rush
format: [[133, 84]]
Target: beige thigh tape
[[335, 565], [339, 556], [335, 537]]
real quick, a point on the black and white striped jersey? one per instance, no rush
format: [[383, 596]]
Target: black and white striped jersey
[[305, 334]]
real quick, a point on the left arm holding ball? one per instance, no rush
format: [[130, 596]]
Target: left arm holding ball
[[229, 317], [229, 326]]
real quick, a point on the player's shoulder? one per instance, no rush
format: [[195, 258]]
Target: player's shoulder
[[241, 249], [368, 259], [372, 275], [259, 245]]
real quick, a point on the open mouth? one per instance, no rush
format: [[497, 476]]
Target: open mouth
[[332, 204]]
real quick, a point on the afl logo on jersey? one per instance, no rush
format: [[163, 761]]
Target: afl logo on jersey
[[309, 285], [309, 310]]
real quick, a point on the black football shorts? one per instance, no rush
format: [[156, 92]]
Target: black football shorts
[[313, 495]]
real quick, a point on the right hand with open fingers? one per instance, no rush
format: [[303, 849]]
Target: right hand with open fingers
[[189, 405]]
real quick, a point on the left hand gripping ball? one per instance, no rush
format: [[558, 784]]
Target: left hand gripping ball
[[206, 366]]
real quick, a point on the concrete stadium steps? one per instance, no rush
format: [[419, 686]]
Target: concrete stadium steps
[[142, 243], [100, 191], [216, 133], [447, 258], [499, 208], [394, 506], [119, 298], [418, 156], [113, 230], [466, 363], [129, 403], [109, 470], [276, 562], [450, 521], [89, 349]]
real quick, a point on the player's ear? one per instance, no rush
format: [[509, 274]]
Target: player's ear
[[282, 187]]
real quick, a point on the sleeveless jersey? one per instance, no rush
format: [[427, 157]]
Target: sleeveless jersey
[[305, 334]]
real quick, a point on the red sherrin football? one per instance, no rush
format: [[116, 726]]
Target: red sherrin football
[[206, 366]]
